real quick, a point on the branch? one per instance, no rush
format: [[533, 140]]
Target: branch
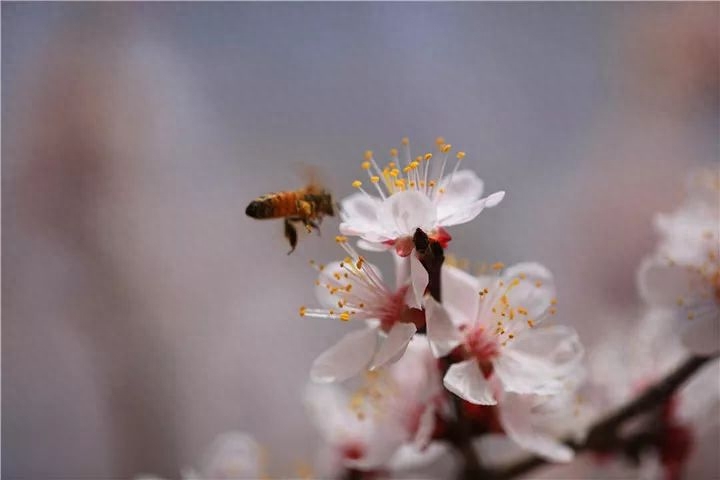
[[603, 436]]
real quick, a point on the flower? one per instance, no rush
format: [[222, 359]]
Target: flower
[[490, 324], [412, 197], [684, 273], [232, 455], [387, 422], [354, 290]]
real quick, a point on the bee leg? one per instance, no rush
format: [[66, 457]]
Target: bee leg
[[291, 235], [309, 224]]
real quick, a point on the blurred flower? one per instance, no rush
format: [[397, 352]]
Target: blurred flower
[[354, 290], [388, 422], [232, 456], [684, 273], [412, 197], [621, 367], [540, 423], [489, 323]]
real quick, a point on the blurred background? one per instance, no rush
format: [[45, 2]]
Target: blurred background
[[144, 313]]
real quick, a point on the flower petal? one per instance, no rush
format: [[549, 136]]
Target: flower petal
[[393, 347], [409, 457], [534, 290], [664, 285], [232, 455], [539, 362], [466, 381], [461, 187], [345, 359], [359, 208], [702, 335], [426, 428], [404, 212], [442, 334], [464, 213], [419, 281], [460, 293], [517, 420], [333, 275]]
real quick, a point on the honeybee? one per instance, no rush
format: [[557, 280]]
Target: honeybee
[[307, 205]]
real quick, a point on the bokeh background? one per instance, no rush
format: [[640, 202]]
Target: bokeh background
[[143, 313]]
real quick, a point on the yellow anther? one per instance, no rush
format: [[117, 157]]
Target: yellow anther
[[553, 301], [360, 263], [431, 183], [394, 172], [522, 311], [374, 179], [368, 154], [344, 316], [391, 165], [405, 141], [407, 169], [553, 311], [348, 287], [460, 155], [393, 152], [498, 266], [341, 239], [357, 184], [428, 156], [440, 141], [530, 323], [538, 284], [522, 276], [303, 309], [511, 336], [365, 165], [412, 184], [446, 148]]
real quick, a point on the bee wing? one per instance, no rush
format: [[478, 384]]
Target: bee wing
[[313, 176]]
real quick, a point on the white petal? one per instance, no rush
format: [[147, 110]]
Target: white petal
[[232, 455], [347, 358], [497, 449], [402, 213], [702, 335], [535, 289], [359, 208], [542, 361], [460, 292], [517, 421], [408, 457], [426, 428], [462, 187], [463, 213], [466, 381], [402, 269], [393, 347], [442, 334], [371, 246], [419, 281], [662, 284]]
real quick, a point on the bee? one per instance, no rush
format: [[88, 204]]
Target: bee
[[307, 205]]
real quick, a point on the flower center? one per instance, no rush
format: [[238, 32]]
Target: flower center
[[392, 311], [353, 450], [483, 347]]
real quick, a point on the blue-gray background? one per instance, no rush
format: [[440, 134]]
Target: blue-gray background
[[144, 313]]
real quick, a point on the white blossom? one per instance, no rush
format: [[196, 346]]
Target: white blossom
[[494, 322], [410, 195], [353, 290], [387, 422], [684, 273]]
